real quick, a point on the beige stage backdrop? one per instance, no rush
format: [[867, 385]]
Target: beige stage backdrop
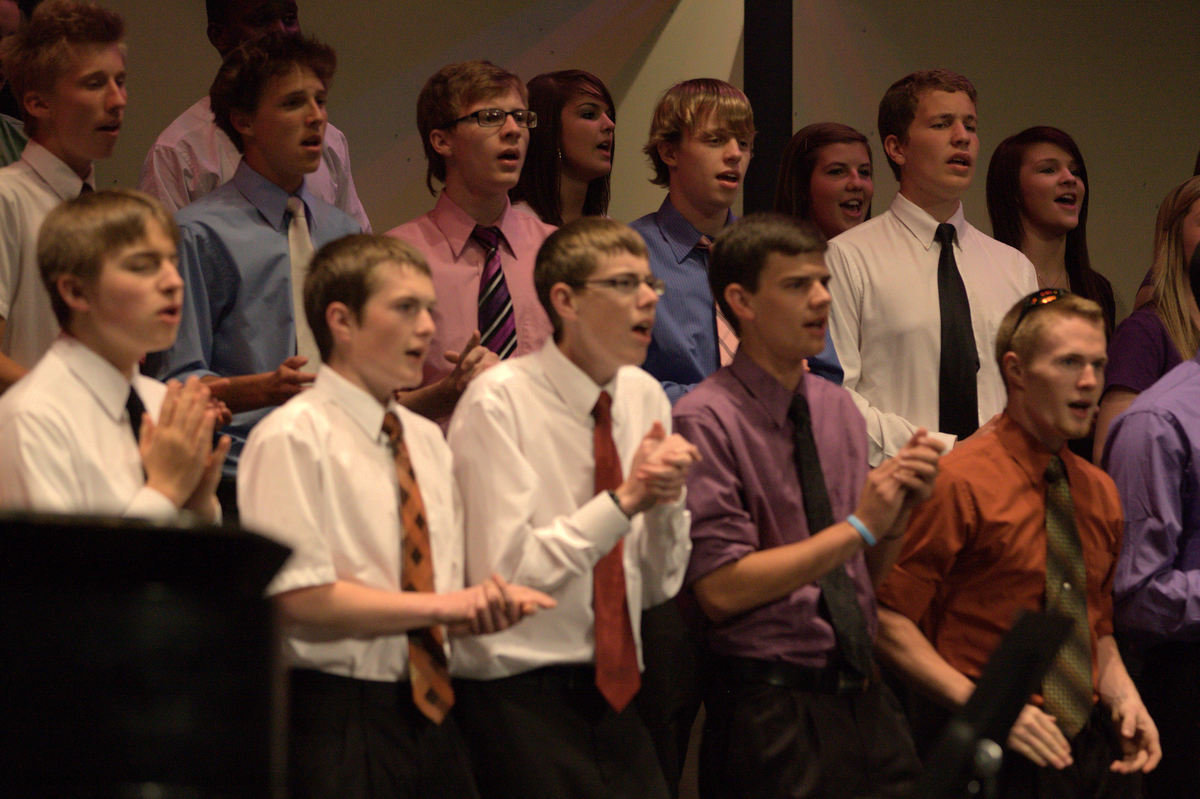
[[1122, 77]]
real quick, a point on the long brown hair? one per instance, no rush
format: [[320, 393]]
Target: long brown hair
[[539, 183], [1004, 209]]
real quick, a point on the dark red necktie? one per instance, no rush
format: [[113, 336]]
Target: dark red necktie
[[617, 675]]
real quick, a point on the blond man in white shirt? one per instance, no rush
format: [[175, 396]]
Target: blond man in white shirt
[[544, 714], [67, 70], [886, 318], [83, 432], [323, 475]]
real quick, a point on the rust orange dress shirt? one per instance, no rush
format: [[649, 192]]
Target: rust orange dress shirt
[[975, 552]]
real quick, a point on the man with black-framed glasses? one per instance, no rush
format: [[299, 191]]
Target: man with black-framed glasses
[[570, 478], [1018, 522], [474, 122]]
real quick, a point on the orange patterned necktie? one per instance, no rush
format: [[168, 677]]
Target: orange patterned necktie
[[428, 669], [617, 675]]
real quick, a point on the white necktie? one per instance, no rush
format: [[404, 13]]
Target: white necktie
[[300, 252]]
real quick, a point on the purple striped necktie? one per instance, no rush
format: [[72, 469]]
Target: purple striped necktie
[[497, 326]]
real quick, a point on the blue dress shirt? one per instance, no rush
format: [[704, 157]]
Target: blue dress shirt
[[237, 309], [683, 350]]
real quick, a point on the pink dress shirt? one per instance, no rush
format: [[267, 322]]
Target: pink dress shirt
[[444, 237]]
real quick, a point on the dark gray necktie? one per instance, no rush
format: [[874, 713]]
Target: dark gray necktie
[[958, 399], [837, 589]]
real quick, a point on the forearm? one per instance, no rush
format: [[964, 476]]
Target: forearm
[[350, 609], [1114, 681], [881, 557], [435, 401], [242, 393], [771, 574], [903, 646], [10, 370]]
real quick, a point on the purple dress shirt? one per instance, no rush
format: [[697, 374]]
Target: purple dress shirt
[[1153, 455], [1140, 352], [745, 496]]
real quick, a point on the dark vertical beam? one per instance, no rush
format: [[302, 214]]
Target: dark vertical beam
[[767, 66]]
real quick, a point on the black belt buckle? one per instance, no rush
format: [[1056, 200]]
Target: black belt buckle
[[852, 683]]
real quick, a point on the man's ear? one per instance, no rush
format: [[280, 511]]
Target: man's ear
[[35, 104], [1012, 370], [440, 141], [894, 148], [562, 299], [668, 151], [740, 302], [73, 292], [242, 122], [340, 321]]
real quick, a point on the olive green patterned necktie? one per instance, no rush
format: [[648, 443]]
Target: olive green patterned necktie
[[1067, 687]]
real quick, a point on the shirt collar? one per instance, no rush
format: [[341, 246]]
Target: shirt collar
[[268, 198], [101, 378], [457, 225], [60, 177], [578, 391], [774, 398], [681, 235], [360, 406], [1023, 448], [922, 225]]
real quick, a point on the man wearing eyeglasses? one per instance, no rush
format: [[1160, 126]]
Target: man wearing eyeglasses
[[474, 123], [1019, 522], [571, 480]]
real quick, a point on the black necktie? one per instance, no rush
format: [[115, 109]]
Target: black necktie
[[958, 400], [135, 409], [837, 589], [86, 189]]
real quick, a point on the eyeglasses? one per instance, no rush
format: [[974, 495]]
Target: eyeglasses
[[1036, 300], [628, 284], [494, 117]]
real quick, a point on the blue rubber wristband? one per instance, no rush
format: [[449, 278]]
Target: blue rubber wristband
[[857, 524]]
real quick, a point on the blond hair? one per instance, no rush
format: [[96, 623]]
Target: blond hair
[[687, 105]]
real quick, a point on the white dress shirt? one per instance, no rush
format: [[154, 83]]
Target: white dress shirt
[[66, 445], [886, 320], [193, 156], [317, 475], [523, 455], [29, 190]]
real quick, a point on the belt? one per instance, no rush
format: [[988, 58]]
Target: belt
[[571, 676], [827, 680]]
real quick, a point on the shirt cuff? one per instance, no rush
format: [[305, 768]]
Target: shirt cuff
[[149, 504], [602, 521]]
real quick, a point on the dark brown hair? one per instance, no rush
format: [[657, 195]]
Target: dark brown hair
[[246, 70], [793, 188], [1004, 209], [539, 183]]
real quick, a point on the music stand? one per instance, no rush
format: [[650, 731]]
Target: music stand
[[969, 749], [139, 660]]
